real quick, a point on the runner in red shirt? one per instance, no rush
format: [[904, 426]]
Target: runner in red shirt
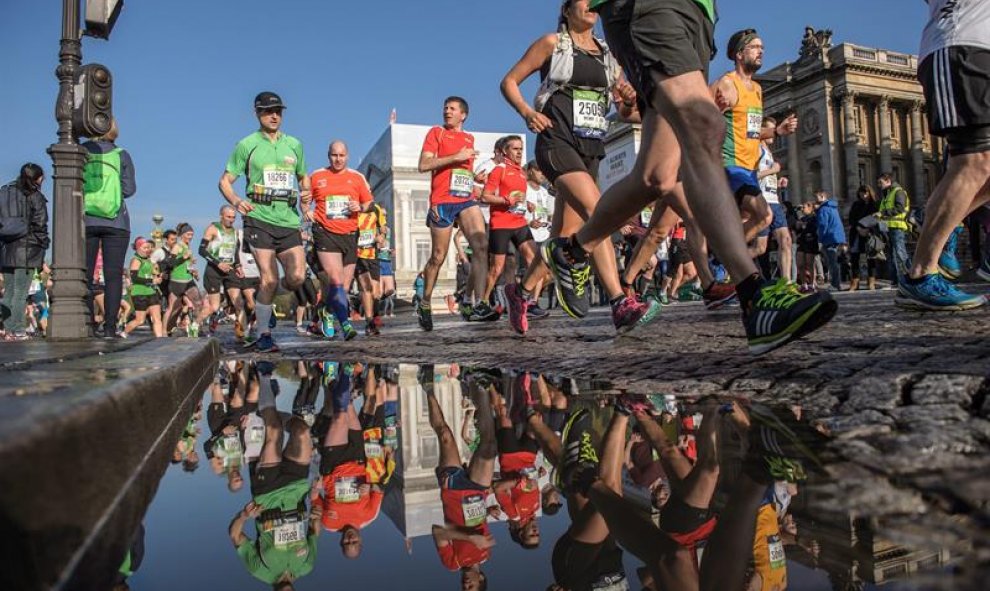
[[505, 192], [463, 541], [340, 194], [448, 154]]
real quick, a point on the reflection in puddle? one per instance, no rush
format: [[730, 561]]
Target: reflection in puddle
[[323, 474]]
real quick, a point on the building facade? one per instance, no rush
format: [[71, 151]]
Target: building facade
[[392, 170]]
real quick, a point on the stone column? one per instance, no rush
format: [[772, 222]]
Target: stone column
[[402, 233], [883, 113], [917, 154], [850, 143], [794, 164]]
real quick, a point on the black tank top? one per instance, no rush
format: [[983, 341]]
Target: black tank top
[[589, 73]]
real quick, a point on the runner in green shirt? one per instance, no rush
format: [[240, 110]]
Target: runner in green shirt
[[182, 281], [219, 247], [275, 168]]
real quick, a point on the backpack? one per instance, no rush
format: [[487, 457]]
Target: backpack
[[13, 215], [101, 184]]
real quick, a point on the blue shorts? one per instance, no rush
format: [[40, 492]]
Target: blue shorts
[[779, 220], [447, 213], [456, 478], [386, 268], [742, 182]]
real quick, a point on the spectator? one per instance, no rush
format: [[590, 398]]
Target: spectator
[[108, 180], [865, 204], [830, 235], [23, 242]]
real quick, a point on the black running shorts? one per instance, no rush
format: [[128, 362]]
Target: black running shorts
[[345, 244], [556, 159], [370, 266], [264, 236], [214, 281], [498, 240], [956, 82]]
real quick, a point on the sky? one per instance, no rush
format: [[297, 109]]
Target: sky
[[186, 73]]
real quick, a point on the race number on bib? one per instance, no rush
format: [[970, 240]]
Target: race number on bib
[[278, 180], [338, 207], [289, 533], [474, 510], [461, 183], [777, 559], [754, 121], [613, 582], [589, 114], [645, 216], [520, 203], [346, 490], [226, 253], [366, 238]]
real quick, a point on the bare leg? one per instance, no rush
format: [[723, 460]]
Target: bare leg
[[472, 223], [440, 238]]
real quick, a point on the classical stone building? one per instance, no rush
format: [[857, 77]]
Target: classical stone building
[[861, 113]]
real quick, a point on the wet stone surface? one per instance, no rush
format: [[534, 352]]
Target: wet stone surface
[[900, 501]]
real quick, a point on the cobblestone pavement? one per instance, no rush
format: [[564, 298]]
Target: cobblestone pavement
[[904, 394]]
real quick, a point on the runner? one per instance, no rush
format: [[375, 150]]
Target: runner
[[505, 193], [275, 171], [448, 155], [955, 75], [182, 283], [579, 78], [387, 271], [539, 214], [680, 118], [767, 175], [219, 248], [145, 280], [371, 225], [340, 194], [249, 279]]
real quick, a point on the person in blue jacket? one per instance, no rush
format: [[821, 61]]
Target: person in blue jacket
[[831, 235]]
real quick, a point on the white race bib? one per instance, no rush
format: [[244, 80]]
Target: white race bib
[[474, 510], [289, 533], [338, 207], [520, 206], [373, 450], [777, 558], [589, 114], [346, 490], [754, 122], [461, 182], [645, 216], [366, 238], [278, 180], [226, 253], [613, 582]]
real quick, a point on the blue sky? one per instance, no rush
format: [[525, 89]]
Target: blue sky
[[185, 73]]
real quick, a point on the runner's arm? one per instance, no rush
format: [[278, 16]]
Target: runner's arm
[[226, 186], [724, 94], [530, 62], [769, 171], [428, 161]]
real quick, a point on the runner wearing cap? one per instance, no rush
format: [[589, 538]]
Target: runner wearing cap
[[275, 170]]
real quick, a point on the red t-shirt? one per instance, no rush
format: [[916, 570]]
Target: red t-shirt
[[453, 183], [517, 461], [508, 180], [358, 512], [520, 502], [461, 507], [332, 191]]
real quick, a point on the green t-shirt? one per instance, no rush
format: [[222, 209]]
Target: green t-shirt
[[180, 272], [707, 5], [263, 559], [274, 165], [145, 271]]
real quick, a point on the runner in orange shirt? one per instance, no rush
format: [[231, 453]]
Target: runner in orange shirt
[[340, 194]]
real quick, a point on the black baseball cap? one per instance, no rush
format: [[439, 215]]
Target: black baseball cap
[[268, 100]]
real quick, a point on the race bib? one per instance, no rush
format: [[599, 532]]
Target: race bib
[[391, 438], [520, 207], [226, 253], [589, 114], [231, 445], [754, 122], [613, 582], [645, 216], [366, 238], [532, 472], [338, 207], [346, 490], [461, 183], [474, 510], [278, 180], [777, 559], [770, 183], [289, 533]]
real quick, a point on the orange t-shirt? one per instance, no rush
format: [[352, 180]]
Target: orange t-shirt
[[332, 191], [453, 183], [508, 180], [351, 508], [465, 509]]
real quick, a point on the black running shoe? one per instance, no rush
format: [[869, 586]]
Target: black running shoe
[[780, 313], [483, 313], [425, 316], [780, 447], [579, 466], [571, 274]]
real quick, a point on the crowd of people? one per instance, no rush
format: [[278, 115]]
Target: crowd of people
[[703, 214]]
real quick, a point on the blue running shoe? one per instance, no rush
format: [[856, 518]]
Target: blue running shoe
[[330, 370], [326, 323], [266, 344], [948, 263], [933, 292]]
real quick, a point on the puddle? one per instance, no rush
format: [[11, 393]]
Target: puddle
[[373, 524]]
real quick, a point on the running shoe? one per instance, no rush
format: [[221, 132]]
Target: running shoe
[[377, 321], [465, 310], [535, 312], [571, 275], [579, 466], [214, 322], [983, 271], [347, 330], [934, 292], [948, 265], [306, 412], [425, 317], [326, 322], [330, 370], [370, 330], [631, 313], [664, 298], [518, 308], [272, 320], [266, 344], [780, 447], [483, 313], [238, 330], [780, 313], [628, 404], [301, 329], [718, 294]]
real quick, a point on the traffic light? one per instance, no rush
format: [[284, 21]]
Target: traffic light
[[92, 112], [101, 16]]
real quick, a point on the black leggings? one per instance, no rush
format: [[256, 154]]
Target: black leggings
[[114, 242], [871, 264]]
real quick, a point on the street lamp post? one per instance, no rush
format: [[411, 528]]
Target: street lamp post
[[156, 232], [70, 290]]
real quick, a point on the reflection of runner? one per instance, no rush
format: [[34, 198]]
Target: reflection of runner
[[285, 548], [463, 541]]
